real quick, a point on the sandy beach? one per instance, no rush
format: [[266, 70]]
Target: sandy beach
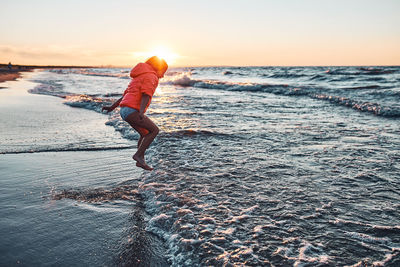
[[8, 75]]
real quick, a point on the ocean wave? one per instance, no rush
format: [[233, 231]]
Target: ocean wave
[[307, 254], [284, 89], [172, 73], [180, 79], [369, 226], [190, 132], [105, 74], [185, 80], [375, 71], [286, 75], [93, 72], [86, 101], [386, 93], [48, 89], [374, 79], [374, 86], [94, 102], [374, 108], [227, 72], [58, 90], [359, 71], [318, 77]]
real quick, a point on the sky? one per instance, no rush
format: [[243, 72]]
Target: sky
[[201, 33]]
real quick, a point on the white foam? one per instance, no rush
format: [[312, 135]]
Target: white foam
[[367, 238], [183, 79], [310, 254], [374, 226], [388, 257]]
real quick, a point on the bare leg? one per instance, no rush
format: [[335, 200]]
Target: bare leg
[[139, 141], [138, 145], [142, 132], [143, 144]]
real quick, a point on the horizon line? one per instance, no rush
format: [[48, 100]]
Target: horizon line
[[190, 66]]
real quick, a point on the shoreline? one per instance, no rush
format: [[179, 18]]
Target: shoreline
[[13, 73]]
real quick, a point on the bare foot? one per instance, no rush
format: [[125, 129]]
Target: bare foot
[[141, 163]]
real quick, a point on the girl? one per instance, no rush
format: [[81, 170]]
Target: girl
[[136, 100]]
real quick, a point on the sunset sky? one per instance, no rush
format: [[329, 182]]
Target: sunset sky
[[206, 32]]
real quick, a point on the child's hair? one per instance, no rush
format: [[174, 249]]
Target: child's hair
[[158, 63]]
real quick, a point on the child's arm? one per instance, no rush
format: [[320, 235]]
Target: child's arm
[[112, 107]]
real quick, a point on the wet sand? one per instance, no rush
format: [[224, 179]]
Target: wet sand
[[39, 228], [8, 75], [65, 230]]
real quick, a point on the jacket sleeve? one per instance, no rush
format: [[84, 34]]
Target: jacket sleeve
[[149, 85]]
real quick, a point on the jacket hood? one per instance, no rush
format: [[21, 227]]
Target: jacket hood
[[142, 68]]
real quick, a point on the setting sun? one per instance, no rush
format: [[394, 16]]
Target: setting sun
[[160, 51]]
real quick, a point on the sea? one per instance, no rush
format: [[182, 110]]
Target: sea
[[253, 166]]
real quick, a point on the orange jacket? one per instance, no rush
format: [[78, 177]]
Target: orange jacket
[[144, 81]]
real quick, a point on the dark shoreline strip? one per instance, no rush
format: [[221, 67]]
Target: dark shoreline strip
[[142, 248], [137, 246]]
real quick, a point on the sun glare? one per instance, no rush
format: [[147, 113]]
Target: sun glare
[[161, 52]]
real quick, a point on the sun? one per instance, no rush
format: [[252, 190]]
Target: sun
[[165, 53], [160, 51]]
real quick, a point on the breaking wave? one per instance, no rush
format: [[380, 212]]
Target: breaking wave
[[185, 80], [101, 72]]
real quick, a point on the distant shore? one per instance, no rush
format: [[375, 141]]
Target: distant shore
[[13, 73]]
